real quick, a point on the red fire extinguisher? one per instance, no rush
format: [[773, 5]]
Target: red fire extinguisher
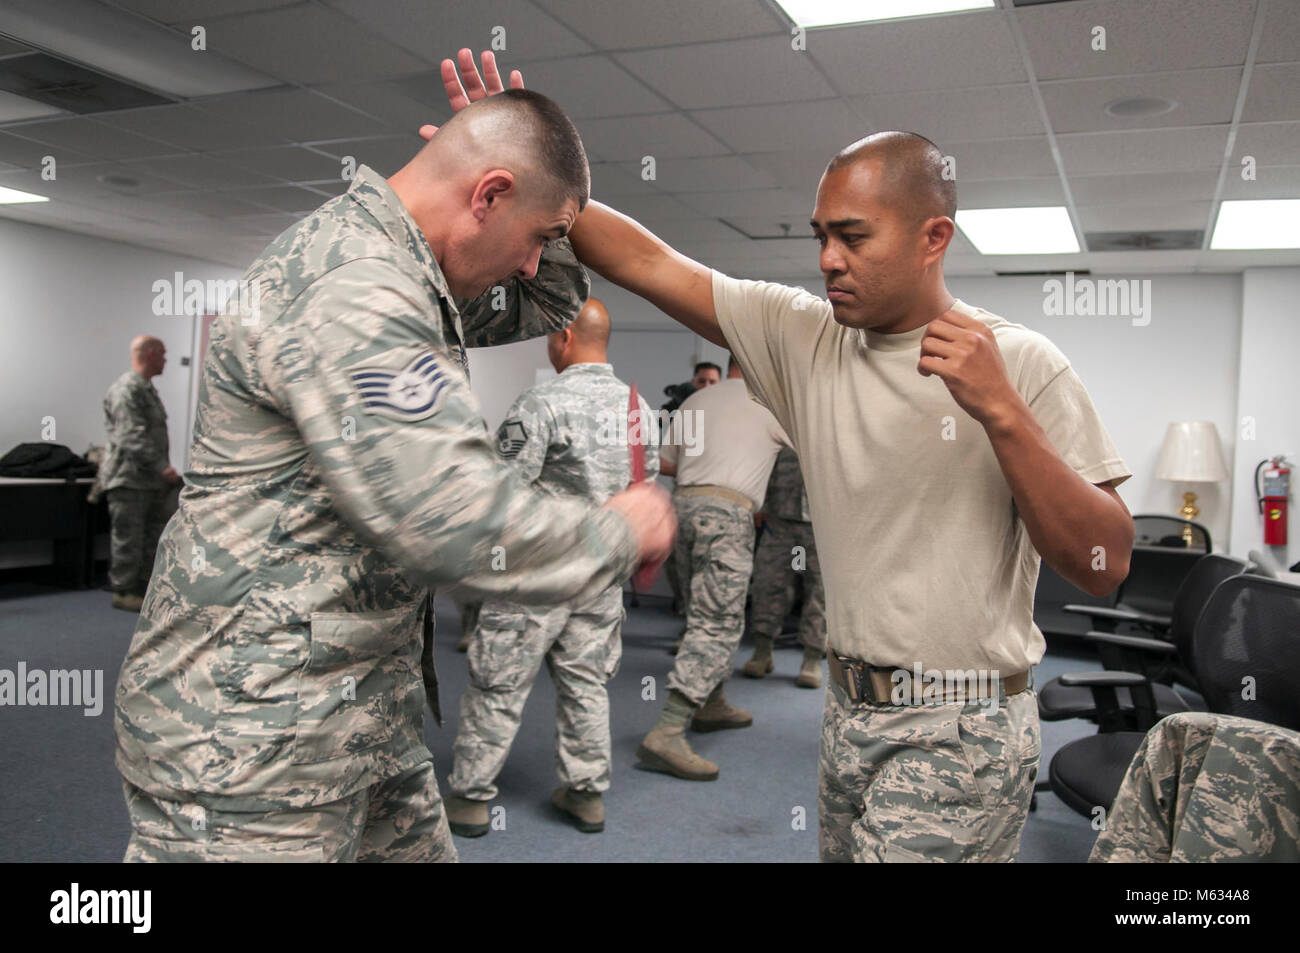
[[1272, 494]]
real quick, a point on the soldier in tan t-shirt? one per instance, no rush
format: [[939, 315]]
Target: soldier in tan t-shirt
[[944, 451]]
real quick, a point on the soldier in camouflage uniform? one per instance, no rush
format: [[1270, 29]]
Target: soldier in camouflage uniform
[[715, 554], [135, 472], [567, 437], [1207, 788], [779, 567], [270, 705]]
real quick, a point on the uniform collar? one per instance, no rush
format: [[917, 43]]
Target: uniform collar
[[589, 367], [372, 192], [907, 340]]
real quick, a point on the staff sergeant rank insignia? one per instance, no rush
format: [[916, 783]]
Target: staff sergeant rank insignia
[[513, 437], [406, 395]]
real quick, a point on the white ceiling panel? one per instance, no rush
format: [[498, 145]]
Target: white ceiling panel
[[198, 172], [665, 136], [27, 154], [707, 174], [435, 30], [797, 171], [1271, 143], [404, 105], [1149, 188], [1202, 97], [309, 44], [1159, 150], [1140, 37], [609, 180], [1280, 40], [617, 26], [189, 129], [591, 87], [385, 156], [89, 137], [288, 163], [1001, 159], [1125, 218], [1025, 192], [829, 124], [761, 202], [1274, 92], [1270, 182], [185, 11], [954, 115], [294, 115], [925, 53], [734, 73]]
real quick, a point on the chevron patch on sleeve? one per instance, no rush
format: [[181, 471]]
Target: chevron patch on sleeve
[[407, 395]]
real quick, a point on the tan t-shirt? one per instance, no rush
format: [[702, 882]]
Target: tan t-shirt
[[725, 438], [924, 558]]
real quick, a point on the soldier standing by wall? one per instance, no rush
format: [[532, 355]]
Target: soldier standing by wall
[[561, 437], [135, 472]]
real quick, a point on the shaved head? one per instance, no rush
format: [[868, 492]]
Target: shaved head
[[912, 173], [148, 355], [142, 343], [591, 326], [518, 130], [585, 341]]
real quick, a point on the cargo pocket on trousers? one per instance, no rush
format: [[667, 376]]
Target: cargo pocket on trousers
[[347, 691], [495, 647]]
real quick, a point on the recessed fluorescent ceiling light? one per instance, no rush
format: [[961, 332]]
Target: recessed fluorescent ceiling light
[[1019, 231], [14, 197], [1258, 223], [812, 13], [125, 45]]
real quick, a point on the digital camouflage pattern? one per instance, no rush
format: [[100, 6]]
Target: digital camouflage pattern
[[398, 820], [136, 520], [925, 782], [564, 436], [775, 578], [715, 556], [1207, 788], [135, 424], [340, 467]]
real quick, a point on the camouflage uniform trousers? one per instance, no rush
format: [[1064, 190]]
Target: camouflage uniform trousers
[[1207, 788], [675, 581], [776, 579], [715, 554], [137, 520], [398, 820], [582, 647], [943, 782]]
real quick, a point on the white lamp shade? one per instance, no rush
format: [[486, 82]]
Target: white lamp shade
[[1192, 453]]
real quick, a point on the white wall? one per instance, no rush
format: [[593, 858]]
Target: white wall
[[1267, 393], [70, 306]]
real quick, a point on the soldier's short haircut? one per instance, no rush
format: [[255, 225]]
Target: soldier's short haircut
[[915, 179], [706, 366], [547, 136]]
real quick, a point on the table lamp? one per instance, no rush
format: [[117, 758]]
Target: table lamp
[[1191, 453]]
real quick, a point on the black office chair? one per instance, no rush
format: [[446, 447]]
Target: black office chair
[[1162, 660], [1246, 654], [1170, 532]]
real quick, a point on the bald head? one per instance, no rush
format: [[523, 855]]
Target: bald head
[[912, 173], [585, 341], [148, 355], [519, 130]]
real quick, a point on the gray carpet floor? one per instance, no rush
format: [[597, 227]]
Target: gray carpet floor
[[62, 796]]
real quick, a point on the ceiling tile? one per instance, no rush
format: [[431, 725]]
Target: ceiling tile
[[615, 26], [1270, 182], [28, 154], [609, 180], [1147, 188], [1011, 193], [1001, 159], [920, 54], [294, 115], [1203, 97], [385, 155], [1127, 218], [665, 136], [289, 163], [178, 11], [418, 25], [827, 124], [189, 129], [1271, 143], [707, 174], [1158, 150], [309, 44], [403, 104], [91, 138], [1280, 41], [590, 87], [1274, 93], [197, 172], [1140, 37], [760, 202], [951, 115], [734, 73]]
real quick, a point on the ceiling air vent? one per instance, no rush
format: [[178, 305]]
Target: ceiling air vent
[[55, 82], [1172, 240]]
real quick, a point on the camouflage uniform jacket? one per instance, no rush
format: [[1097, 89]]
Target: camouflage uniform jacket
[[136, 425], [340, 467], [785, 491], [569, 436]]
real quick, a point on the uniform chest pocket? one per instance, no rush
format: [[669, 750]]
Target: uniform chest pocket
[[347, 691]]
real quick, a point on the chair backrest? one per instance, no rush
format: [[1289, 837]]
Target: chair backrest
[[1155, 574], [1171, 531], [1250, 630], [1210, 570]]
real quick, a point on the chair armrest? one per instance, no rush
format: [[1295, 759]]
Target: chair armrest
[[1102, 679], [1120, 615], [1140, 643]]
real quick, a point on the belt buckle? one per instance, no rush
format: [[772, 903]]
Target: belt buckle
[[854, 681]]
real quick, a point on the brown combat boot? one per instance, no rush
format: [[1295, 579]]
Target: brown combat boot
[[466, 818], [463, 644], [761, 664], [585, 808], [666, 749], [127, 601], [810, 673], [718, 714]]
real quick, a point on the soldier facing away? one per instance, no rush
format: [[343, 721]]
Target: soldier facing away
[[563, 437], [136, 474], [270, 705]]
